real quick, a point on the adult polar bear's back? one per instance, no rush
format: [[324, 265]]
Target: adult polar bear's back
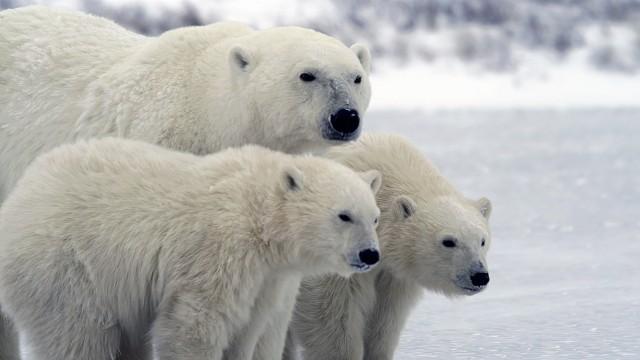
[[32, 68], [66, 75]]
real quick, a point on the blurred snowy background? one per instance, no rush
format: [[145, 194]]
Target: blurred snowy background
[[533, 103], [443, 53]]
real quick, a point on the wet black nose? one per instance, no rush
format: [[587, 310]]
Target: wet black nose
[[345, 121], [369, 256], [480, 279]]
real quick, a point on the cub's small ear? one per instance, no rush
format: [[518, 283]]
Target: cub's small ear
[[363, 54], [291, 179], [240, 58], [404, 207], [373, 178], [484, 205]]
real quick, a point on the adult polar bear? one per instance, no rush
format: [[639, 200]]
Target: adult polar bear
[[67, 75]]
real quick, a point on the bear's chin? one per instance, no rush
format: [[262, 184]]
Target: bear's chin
[[460, 290], [446, 287]]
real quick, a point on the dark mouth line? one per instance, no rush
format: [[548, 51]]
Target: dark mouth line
[[360, 267], [332, 134], [470, 289], [341, 136]]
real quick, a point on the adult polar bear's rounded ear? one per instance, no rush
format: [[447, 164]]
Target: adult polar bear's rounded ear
[[363, 54], [291, 179], [240, 59], [484, 205], [373, 178], [403, 207]]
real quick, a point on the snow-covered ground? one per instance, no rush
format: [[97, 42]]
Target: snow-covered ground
[[542, 83], [565, 186]]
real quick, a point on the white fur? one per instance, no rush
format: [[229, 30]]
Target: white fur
[[66, 76], [264, 337], [9, 347], [362, 317], [107, 241]]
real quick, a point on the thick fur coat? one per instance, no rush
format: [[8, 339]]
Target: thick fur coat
[[431, 237], [66, 76], [108, 242]]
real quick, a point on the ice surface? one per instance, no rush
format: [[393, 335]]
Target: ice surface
[[565, 257]]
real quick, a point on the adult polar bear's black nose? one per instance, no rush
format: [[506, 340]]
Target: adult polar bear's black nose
[[345, 121], [480, 279], [369, 256]]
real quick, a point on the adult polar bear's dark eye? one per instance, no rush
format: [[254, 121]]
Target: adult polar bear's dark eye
[[344, 217], [358, 79]]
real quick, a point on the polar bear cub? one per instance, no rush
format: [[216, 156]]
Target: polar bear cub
[[66, 76], [106, 241], [431, 236]]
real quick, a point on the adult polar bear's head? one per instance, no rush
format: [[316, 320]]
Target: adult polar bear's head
[[304, 89]]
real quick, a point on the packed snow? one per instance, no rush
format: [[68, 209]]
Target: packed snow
[[452, 85], [564, 266]]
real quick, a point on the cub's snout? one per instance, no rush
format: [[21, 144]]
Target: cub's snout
[[363, 260], [480, 279], [369, 256]]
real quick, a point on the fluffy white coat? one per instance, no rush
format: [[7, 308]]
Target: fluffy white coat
[[361, 317], [105, 242], [67, 75]]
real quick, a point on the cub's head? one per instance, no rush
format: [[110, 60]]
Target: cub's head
[[306, 89], [441, 244], [328, 215]]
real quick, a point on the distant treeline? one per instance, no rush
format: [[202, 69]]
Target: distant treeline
[[493, 34]]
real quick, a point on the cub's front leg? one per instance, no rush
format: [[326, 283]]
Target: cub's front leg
[[330, 318], [394, 300], [187, 329], [272, 342], [9, 349]]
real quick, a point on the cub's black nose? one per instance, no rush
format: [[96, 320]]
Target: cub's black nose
[[369, 256], [480, 279], [345, 121]]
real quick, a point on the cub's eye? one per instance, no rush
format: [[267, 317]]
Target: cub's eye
[[375, 221], [344, 217], [307, 77], [482, 244], [358, 79], [449, 242]]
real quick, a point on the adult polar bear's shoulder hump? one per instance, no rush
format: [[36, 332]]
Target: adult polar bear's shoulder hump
[[66, 75]]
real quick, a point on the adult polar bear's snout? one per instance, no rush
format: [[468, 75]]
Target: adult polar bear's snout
[[344, 123], [312, 98]]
